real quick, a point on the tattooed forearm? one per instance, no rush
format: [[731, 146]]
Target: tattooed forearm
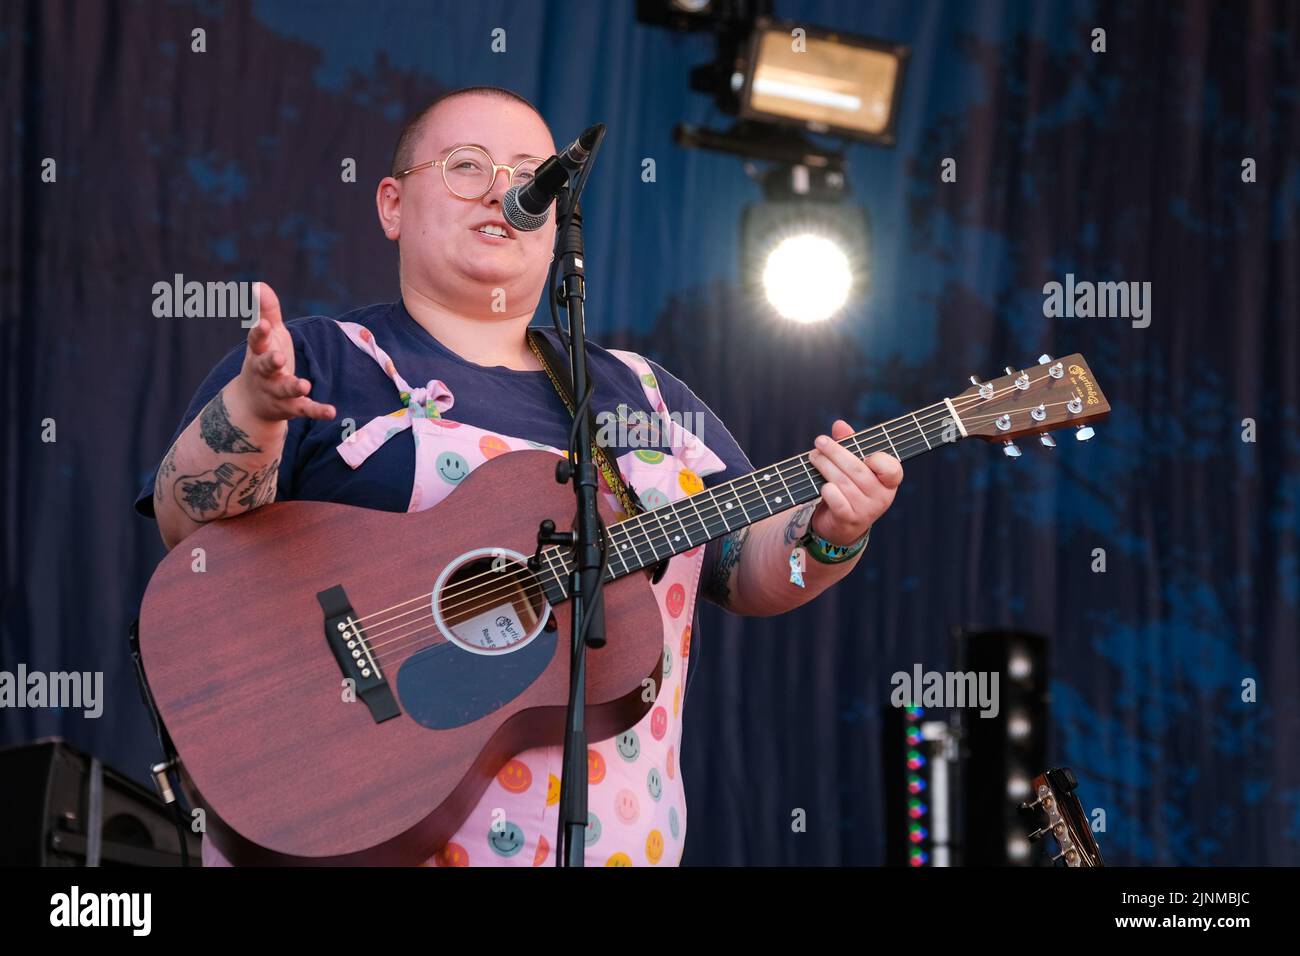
[[718, 587], [206, 497], [260, 489], [219, 432], [798, 522], [165, 470]]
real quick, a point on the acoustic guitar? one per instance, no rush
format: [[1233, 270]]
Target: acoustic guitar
[[342, 684]]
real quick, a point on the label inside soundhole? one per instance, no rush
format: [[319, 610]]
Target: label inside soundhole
[[488, 602], [493, 630]]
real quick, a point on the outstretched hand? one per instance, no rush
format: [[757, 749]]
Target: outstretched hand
[[270, 390]]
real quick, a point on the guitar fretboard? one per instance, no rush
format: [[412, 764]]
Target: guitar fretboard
[[647, 539]]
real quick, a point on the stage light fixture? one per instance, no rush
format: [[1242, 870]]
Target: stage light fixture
[[806, 277], [821, 80], [805, 249], [806, 256]]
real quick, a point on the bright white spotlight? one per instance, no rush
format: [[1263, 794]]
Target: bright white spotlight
[[807, 278]]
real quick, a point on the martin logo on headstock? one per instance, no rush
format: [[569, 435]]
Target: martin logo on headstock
[[1033, 401]]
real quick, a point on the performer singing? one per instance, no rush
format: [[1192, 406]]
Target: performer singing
[[391, 405]]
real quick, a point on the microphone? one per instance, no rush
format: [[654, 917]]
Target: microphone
[[527, 207]]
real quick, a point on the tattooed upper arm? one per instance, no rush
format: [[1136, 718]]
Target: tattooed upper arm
[[721, 583]]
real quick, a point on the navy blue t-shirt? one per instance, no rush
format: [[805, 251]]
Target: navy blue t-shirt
[[506, 401]]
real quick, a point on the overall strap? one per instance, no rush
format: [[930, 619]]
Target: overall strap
[[551, 360]]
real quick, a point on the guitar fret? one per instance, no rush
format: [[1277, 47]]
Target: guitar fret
[[729, 507], [559, 581], [610, 542], [789, 497], [629, 542], [659, 520], [811, 475], [922, 431], [762, 495], [645, 540], [885, 432], [681, 524], [703, 524]]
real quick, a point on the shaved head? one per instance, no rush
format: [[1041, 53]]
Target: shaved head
[[409, 139]]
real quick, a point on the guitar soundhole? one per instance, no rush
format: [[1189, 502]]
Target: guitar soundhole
[[488, 602]]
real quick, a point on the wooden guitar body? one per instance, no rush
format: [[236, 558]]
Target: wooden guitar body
[[291, 771]]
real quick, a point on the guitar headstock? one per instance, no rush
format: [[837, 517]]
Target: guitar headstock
[[1053, 394], [1061, 816]]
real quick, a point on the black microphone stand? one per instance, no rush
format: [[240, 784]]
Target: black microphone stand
[[586, 600]]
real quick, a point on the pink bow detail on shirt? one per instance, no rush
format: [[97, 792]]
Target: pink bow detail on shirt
[[422, 406]]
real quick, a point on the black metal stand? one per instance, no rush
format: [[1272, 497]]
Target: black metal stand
[[588, 607]]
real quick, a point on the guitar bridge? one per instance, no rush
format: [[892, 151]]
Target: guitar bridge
[[347, 639]]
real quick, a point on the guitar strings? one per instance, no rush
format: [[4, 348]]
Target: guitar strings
[[421, 633], [511, 589], [414, 631], [779, 467], [700, 519], [643, 528], [503, 585], [412, 641]]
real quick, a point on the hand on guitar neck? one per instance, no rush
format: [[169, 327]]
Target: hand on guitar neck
[[226, 460], [856, 493]]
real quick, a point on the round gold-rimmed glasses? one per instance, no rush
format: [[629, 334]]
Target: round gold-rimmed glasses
[[469, 172]]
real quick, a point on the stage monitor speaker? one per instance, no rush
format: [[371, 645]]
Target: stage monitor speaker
[[64, 808]]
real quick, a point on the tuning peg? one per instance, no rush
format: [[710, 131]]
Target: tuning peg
[[1010, 370], [1010, 449], [1047, 441], [1084, 433], [1044, 359]]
